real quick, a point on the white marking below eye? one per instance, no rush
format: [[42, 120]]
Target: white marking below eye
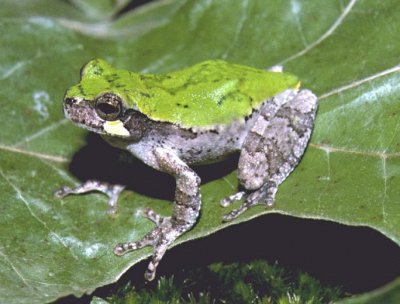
[[116, 127]]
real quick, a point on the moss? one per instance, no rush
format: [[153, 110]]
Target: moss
[[255, 282]]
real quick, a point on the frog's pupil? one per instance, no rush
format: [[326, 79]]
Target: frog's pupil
[[107, 108]]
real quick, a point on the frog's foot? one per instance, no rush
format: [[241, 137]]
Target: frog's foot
[[263, 195], [112, 191], [166, 232]]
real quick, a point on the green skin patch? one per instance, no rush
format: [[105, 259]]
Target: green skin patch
[[206, 94]]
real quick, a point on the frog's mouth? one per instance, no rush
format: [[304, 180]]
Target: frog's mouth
[[83, 114]]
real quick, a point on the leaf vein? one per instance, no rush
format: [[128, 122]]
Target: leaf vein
[[360, 82], [58, 159], [14, 68], [324, 36], [296, 7], [41, 132], [61, 173], [384, 175], [353, 151], [229, 183], [239, 27], [19, 274], [21, 197]]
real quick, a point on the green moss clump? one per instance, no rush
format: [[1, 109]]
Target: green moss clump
[[255, 282]]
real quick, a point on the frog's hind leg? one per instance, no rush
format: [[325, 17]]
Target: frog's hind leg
[[273, 148]]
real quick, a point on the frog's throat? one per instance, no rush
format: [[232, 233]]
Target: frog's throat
[[115, 127]]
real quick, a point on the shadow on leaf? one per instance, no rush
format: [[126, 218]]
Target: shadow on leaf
[[98, 160]]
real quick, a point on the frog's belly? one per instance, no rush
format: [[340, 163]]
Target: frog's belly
[[209, 146], [192, 146]]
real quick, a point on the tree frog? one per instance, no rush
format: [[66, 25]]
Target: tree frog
[[195, 115]]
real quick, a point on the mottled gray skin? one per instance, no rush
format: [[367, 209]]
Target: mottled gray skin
[[271, 142]]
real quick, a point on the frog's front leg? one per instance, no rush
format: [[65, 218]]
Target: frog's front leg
[[273, 148], [112, 191], [186, 210]]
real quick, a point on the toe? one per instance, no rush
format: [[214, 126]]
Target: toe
[[233, 198], [152, 216]]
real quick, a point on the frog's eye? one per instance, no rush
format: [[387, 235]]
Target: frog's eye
[[108, 106]]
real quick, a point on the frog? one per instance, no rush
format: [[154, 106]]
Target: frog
[[196, 115]]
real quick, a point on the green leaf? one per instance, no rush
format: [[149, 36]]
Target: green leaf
[[387, 294], [84, 10], [347, 52]]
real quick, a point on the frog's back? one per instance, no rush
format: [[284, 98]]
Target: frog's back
[[209, 93]]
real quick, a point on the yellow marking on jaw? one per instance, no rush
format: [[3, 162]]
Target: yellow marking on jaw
[[116, 127]]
